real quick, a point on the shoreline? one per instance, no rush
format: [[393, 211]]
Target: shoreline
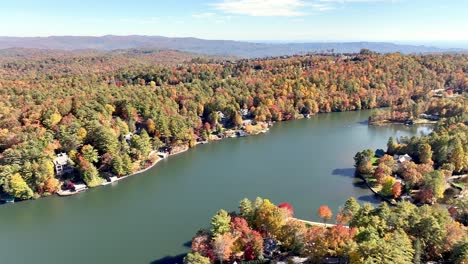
[[65, 194], [381, 197], [263, 131], [416, 122]]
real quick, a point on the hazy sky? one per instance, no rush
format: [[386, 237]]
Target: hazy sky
[[318, 20]]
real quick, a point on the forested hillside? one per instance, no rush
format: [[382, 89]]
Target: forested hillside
[[213, 47], [84, 104]]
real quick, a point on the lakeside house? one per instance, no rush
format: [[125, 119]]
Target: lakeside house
[[430, 117], [221, 116], [62, 164], [402, 158], [247, 122], [244, 113]]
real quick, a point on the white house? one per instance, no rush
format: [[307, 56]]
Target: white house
[[402, 158], [61, 163]]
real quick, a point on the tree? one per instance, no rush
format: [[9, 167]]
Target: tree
[[409, 171], [220, 223], [350, 208], [387, 186], [142, 143], [460, 254], [315, 243], [89, 153], [201, 243], [362, 161], [89, 172], [426, 196], [390, 162], [269, 218], [195, 258], [246, 209], [151, 126], [435, 181], [105, 140], [292, 236], [397, 248], [396, 190], [425, 153], [18, 188], [288, 208], [118, 166], [127, 163], [51, 185], [53, 120], [456, 233], [381, 172], [458, 157], [222, 246], [325, 213], [91, 176], [417, 251], [391, 146]]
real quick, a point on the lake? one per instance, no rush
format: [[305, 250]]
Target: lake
[[150, 218]]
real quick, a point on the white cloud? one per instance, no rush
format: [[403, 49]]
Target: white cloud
[[204, 15], [212, 17], [281, 8], [284, 8]]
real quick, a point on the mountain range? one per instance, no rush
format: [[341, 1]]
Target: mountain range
[[210, 47]]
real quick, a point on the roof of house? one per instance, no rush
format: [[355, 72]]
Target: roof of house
[[402, 158], [61, 159], [221, 114]]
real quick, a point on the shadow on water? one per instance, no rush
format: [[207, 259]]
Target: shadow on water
[[360, 184], [364, 122], [347, 172], [179, 259], [369, 198], [188, 244]]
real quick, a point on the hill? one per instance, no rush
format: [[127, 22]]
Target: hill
[[212, 47]]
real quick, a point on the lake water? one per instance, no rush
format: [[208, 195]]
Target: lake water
[[151, 217]]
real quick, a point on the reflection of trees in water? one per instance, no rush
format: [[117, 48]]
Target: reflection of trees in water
[[397, 130]]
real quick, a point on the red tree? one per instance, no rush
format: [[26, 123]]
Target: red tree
[[426, 196], [287, 207], [396, 190]]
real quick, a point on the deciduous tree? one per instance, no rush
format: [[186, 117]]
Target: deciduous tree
[[325, 213]]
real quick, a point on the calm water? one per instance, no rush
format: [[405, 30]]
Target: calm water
[[151, 217]]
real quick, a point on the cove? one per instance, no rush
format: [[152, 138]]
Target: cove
[[150, 218]]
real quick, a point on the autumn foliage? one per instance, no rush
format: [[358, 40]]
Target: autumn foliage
[[371, 234], [85, 102], [325, 213]]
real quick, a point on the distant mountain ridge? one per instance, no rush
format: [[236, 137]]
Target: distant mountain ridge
[[210, 47]]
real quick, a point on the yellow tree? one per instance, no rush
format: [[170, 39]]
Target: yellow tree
[[18, 188]]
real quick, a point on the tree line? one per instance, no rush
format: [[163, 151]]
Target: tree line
[[87, 105]]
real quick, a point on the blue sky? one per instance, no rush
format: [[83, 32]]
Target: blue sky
[[288, 20]]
